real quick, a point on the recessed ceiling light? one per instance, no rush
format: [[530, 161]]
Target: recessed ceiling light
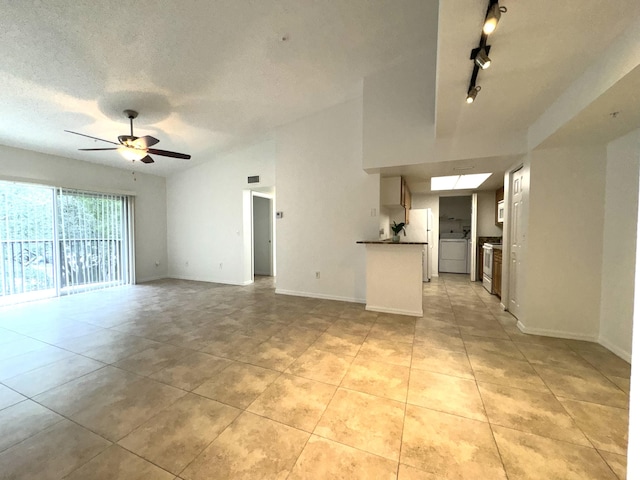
[[458, 182]]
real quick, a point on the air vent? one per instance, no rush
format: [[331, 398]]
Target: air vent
[[254, 179]]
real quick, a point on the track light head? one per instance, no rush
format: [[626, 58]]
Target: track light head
[[481, 57], [493, 17], [472, 93]]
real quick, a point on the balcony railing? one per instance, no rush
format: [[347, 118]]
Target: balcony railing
[[31, 266]]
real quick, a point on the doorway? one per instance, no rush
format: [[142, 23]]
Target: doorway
[[455, 227], [262, 223]]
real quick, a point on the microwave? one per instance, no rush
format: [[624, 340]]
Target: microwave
[[501, 211]]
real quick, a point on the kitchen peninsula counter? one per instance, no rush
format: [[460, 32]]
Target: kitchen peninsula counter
[[394, 276]]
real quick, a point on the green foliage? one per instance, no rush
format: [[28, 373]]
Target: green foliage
[[397, 228]]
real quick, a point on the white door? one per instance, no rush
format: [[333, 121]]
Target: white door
[[516, 235]]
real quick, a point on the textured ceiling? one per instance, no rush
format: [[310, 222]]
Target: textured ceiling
[[209, 75], [204, 75]]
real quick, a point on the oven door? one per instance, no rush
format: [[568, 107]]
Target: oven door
[[487, 261], [487, 283]]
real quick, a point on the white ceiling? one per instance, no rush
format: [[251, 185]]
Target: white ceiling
[[208, 75]]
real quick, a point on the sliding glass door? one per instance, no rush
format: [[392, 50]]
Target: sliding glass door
[[57, 241], [27, 266]]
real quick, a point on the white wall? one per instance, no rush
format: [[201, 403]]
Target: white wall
[[326, 199], [633, 465], [487, 215], [206, 216], [619, 244], [399, 111], [455, 214], [564, 248], [149, 190]]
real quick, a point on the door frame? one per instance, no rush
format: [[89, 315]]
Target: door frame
[[272, 252]]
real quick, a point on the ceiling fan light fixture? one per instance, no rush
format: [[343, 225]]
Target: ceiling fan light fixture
[[482, 59], [492, 19], [131, 153]]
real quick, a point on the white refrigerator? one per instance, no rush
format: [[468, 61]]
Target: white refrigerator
[[420, 230]]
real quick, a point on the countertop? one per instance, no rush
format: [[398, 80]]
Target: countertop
[[389, 242]]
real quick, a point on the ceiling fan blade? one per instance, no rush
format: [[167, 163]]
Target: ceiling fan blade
[[166, 153], [95, 149], [147, 159], [145, 142], [89, 136]]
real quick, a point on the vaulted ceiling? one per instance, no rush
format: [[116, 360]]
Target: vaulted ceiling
[[206, 76]]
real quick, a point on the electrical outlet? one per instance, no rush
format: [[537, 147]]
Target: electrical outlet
[[220, 265], [317, 274], [373, 212], [157, 263]]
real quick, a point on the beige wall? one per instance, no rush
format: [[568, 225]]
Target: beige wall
[[564, 248], [487, 215], [328, 202], [619, 244]]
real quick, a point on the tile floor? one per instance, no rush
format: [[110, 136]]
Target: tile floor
[[186, 380]]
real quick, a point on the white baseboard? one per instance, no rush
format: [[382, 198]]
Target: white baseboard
[[623, 354], [548, 332], [151, 279], [395, 311], [209, 280], [319, 295]]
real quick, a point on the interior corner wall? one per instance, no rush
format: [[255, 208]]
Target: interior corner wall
[[149, 203], [487, 215], [205, 214], [619, 244], [327, 201], [564, 248]]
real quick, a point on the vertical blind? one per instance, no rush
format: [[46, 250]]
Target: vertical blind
[[93, 238], [56, 241]]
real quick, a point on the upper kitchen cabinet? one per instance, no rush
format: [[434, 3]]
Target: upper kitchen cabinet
[[394, 192], [500, 207]]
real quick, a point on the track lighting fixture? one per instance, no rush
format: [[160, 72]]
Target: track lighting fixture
[[482, 58], [480, 55], [472, 93], [492, 18]]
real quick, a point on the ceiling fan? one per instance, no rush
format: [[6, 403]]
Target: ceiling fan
[[132, 147]]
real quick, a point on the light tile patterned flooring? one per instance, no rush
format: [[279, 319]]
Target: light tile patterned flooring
[[186, 380]]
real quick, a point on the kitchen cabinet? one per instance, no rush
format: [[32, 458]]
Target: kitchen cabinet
[[394, 192], [496, 284], [499, 204], [406, 195]]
